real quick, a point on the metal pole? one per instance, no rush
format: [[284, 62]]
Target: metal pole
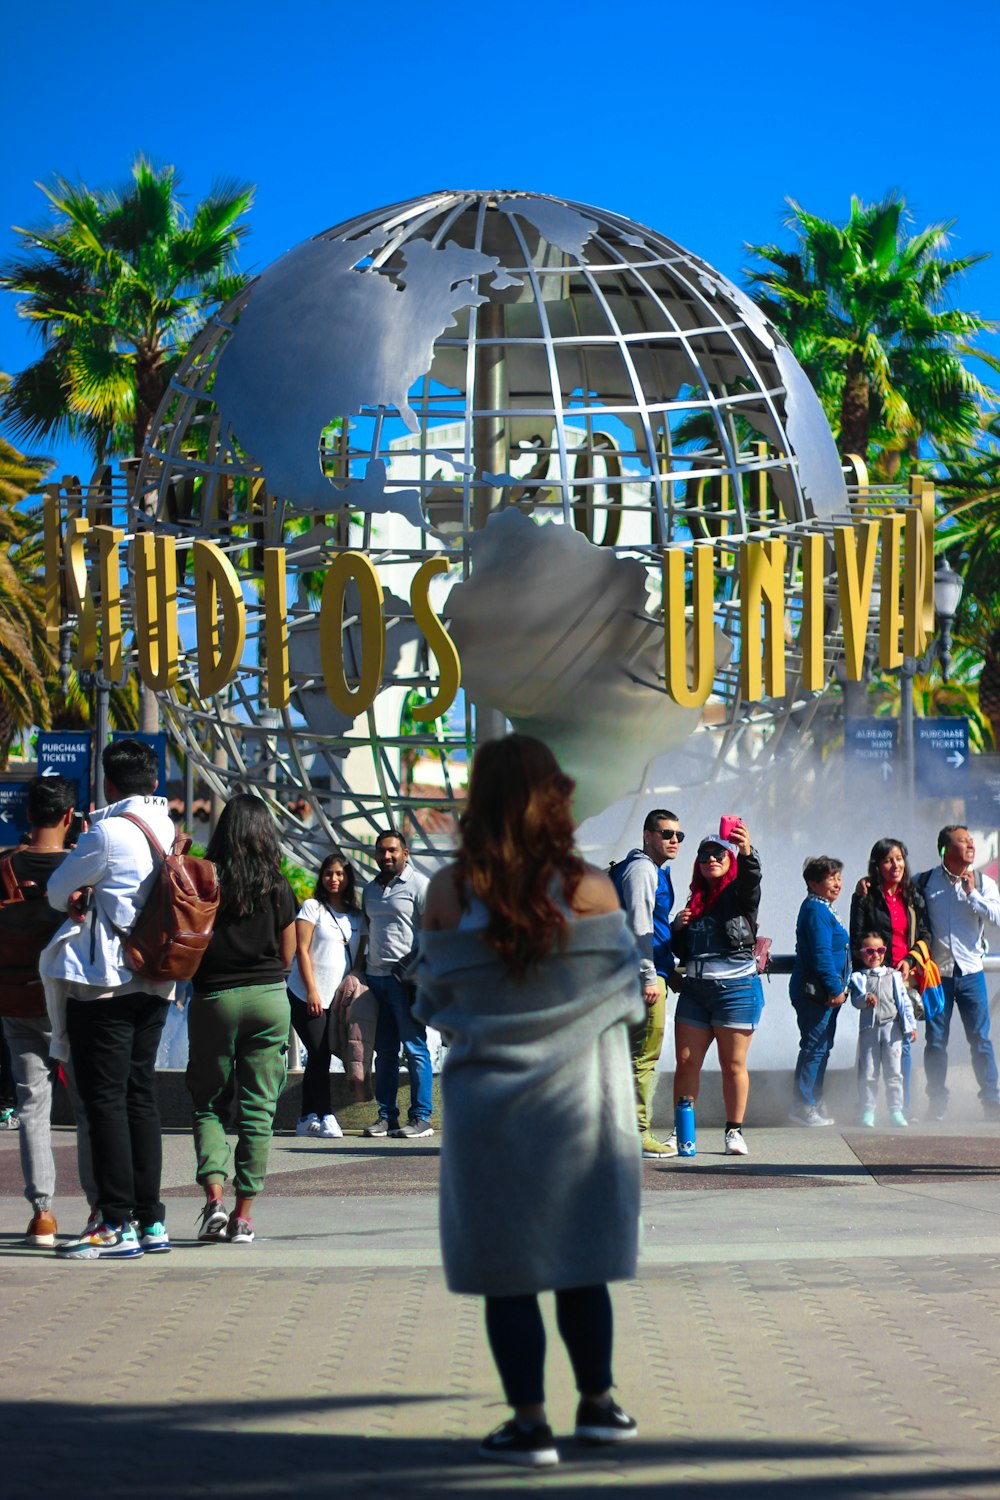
[[906, 732], [189, 792], [101, 726], [490, 452]]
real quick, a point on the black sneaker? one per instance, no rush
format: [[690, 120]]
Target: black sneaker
[[382, 1126], [528, 1448], [603, 1424]]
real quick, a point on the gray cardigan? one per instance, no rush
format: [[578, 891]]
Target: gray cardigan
[[540, 1155]]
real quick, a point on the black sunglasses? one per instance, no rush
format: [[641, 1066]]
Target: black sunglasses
[[710, 851], [668, 833]]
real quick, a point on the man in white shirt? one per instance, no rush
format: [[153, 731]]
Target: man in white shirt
[[112, 1019], [959, 903], [392, 906]]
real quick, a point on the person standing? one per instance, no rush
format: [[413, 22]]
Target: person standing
[[26, 926], [527, 967], [327, 933], [959, 902], [889, 903], [238, 1017], [817, 987], [642, 880], [113, 1018], [392, 909], [886, 1017], [721, 998]]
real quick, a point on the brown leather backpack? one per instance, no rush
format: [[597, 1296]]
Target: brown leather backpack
[[174, 928], [27, 923]]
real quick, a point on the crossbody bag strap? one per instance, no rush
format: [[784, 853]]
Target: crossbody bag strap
[[11, 890]]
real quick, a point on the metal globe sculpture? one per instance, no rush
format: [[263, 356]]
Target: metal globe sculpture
[[541, 394]]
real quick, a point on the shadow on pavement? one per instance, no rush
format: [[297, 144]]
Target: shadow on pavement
[[276, 1449]]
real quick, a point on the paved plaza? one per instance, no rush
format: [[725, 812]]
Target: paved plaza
[[821, 1319]]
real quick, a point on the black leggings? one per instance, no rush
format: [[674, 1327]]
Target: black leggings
[[314, 1034], [516, 1333]]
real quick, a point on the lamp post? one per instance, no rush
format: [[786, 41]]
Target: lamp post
[[948, 586]]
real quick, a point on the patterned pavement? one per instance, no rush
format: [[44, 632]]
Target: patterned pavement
[[832, 1330]]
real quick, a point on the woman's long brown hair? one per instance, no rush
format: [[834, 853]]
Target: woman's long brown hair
[[517, 840]]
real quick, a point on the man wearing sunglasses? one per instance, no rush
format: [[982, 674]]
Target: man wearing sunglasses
[[645, 890]]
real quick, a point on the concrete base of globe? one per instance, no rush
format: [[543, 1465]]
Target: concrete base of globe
[[769, 1104], [175, 1102]]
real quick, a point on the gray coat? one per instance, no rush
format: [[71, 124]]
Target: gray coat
[[540, 1155]]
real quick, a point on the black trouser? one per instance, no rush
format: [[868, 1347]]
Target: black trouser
[[8, 1092], [314, 1034], [114, 1044], [516, 1333]]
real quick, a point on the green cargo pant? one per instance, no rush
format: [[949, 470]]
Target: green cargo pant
[[236, 1036], [646, 1040]]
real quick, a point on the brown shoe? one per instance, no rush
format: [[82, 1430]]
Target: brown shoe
[[42, 1229]]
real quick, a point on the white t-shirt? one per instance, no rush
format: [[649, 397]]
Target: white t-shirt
[[333, 950]]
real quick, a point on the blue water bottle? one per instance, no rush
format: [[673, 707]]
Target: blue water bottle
[[684, 1125]]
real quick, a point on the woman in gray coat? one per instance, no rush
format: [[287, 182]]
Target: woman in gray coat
[[527, 968]]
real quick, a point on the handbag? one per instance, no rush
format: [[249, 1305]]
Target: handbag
[[929, 984], [762, 955]]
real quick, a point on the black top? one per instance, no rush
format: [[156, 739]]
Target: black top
[[29, 864], [247, 950], [731, 925], [870, 913]]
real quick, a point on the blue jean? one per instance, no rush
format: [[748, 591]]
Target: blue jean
[[817, 1026], [393, 1027], [967, 994]]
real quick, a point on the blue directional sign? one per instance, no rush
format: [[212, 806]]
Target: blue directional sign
[[159, 744], [872, 744], [67, 753], [982, 794], [13, 810], [941, 757]]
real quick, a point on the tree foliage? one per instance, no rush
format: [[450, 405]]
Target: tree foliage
[[868, 309], [116, 287]]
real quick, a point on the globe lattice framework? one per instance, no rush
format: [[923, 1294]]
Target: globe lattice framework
[[546, 393]]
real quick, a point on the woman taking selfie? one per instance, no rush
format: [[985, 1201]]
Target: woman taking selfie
[[721, 998], [527, 968]]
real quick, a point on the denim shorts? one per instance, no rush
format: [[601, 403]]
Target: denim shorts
[[734, 1004]]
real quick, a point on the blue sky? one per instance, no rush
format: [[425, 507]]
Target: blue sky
[[698, 123]]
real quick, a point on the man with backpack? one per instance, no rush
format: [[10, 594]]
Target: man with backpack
[[960, 901], [27, 922], [644, 888], [113, 1017]]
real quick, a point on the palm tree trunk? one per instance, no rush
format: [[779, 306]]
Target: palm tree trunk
[[854, 410]]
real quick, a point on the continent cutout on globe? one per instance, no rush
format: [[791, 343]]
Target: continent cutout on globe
[[321, 337]]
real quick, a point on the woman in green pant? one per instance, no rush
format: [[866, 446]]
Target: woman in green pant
[[238, 1018]]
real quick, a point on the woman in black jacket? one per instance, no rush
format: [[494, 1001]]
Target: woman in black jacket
[[887, 902], [721, 996]]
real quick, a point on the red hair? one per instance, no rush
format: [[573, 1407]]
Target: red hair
[[517, 840], [705, 893]]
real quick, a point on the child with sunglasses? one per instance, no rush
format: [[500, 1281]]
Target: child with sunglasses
[[886, 1017]]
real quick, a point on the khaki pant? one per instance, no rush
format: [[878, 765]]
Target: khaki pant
[[646, 1041]]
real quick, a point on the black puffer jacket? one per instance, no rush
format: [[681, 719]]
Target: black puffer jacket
[[869, 913], [731, 926]]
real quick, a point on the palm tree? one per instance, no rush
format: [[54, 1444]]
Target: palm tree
[[25, 656], [117, 287], [867, 309], [968, 484]]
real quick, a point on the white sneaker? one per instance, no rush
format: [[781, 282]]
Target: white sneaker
[[309, 1126], [735, 1144], [330, 1128]]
